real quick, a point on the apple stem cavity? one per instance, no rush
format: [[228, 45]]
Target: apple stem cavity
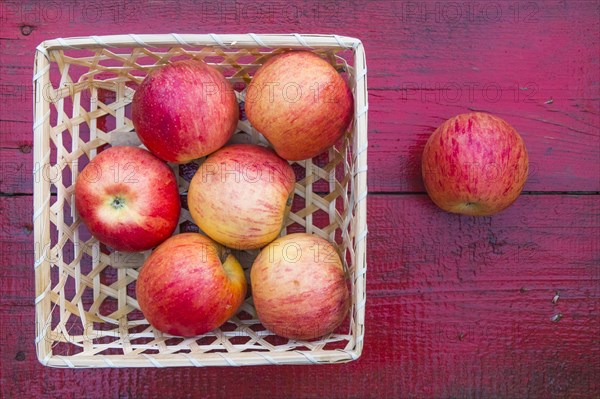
[[234, 270], [224, 254], [118, 202]]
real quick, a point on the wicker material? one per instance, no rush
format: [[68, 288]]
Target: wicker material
[[86, 311]]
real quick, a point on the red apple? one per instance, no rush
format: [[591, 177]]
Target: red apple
[[128, 199], [300, 103], [185, 110], [240, 196], [299, 287], [474, 164], [190, 285]]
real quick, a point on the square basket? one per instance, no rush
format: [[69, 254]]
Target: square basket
[[86, 311]]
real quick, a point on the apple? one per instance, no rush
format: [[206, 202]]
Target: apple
[[300, 103], [128, 199], [184, 110], [241, 195], [299, 287], [190, 285], [474, 164]]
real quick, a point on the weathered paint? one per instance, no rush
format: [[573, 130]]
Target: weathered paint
[[457, 306]]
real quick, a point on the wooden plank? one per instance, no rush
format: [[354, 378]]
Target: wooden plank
[[563, 150], [548, 94], [521, 245], [404, 39], [563, 158], [457, 306]]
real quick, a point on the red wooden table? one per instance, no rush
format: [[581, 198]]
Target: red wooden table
[[457, 306]]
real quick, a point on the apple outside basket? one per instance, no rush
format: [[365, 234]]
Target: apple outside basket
[[86, 311]]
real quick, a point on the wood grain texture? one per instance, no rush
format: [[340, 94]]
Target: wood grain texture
[[533, 63], [457, 306]]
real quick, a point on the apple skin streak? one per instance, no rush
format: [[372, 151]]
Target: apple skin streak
[[238, 195], [303, 295], [183, 289], [300, 103], [475, 164], [184, 111]]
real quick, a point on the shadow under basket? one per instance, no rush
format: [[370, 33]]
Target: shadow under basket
[[86, 311]]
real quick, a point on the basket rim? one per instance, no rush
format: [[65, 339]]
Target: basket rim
[[211, 39], [42, 197], [251, 358]]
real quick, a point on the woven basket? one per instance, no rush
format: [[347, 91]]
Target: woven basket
[[86, 311]]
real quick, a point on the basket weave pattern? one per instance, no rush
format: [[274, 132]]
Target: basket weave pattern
[[86, 311]]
